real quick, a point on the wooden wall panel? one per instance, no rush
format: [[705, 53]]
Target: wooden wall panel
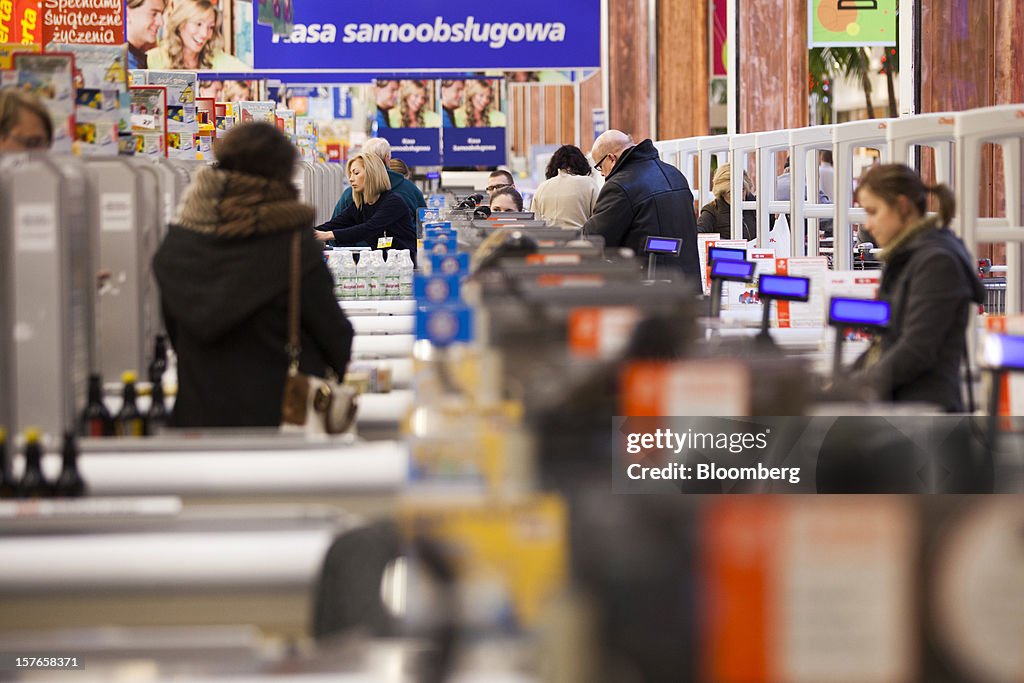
[[630, 77], [568, 131], [956, 54], [590, 99], [552, 125], [1008, 75], [683, 68], [772, 65], [1008, 85], [956, 70], [972, 57], [546, 115]]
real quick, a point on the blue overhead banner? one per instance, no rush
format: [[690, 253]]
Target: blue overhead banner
[[414, 146], [474, 146], [418, 35]]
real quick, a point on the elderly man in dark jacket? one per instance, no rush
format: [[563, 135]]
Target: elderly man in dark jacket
[[642, 196]]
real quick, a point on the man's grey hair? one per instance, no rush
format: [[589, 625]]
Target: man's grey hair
[[610, 142], [380, 147]]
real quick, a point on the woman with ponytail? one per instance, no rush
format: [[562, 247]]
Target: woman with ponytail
[[931, 284]]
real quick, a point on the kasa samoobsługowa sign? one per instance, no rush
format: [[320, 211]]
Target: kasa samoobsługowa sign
[[417, 35]]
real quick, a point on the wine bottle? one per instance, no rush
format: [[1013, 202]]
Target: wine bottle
[[33, 482], [129, 421], [159, 364], [96, 419], [156, 418], [8, 487], [70, 483]]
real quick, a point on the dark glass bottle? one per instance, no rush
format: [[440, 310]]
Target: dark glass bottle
[[129, 421], [33, 482], [96, 419], [8, 487], [70, 483], [159, 364], [156, 418]]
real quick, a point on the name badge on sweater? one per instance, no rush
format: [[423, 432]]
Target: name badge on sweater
[[384, 242]]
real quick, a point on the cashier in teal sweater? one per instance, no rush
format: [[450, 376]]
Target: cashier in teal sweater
[[377, 216], [399, 184]]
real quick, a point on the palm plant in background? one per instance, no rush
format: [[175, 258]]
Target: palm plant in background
[[828, 64]]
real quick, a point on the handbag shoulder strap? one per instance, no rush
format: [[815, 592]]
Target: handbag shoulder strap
[[294, 296], [971, 406]]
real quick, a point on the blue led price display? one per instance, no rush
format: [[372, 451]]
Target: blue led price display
[[784, 287], [858, 312], [726, 254], [663, 245], [742, 271], [1004, 352]]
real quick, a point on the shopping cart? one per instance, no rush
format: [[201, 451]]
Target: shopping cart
[[866, 257], [995, 295], [995, 286]]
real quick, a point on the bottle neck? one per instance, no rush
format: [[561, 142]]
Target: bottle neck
[[33, 457]]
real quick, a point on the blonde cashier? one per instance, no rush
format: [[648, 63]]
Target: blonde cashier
[[377, 216]]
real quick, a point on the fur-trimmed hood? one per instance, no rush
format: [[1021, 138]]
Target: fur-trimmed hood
[[228, 255], [233, 204]]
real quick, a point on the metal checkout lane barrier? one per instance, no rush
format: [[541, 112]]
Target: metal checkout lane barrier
[[741, 148], [935, 131], [1003, 126], [46, 285], [687, 156], [768, 145], [668, 150], [845, 138], [804, 146], [126, 233], [716, 146]]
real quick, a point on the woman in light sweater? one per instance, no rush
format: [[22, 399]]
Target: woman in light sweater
[[566, 199]]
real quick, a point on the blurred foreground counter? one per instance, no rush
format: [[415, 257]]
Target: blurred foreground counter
[[198, 566], [246, 467]]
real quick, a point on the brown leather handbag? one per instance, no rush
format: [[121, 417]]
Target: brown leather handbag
[[310, 404]]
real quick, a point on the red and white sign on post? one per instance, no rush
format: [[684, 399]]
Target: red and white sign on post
[[89, 22], [708, 387], [805, 589], [812, 312], [600, 332]]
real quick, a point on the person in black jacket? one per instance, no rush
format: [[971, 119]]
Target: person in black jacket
[[642, 196], [930, 282], [377, 215], [716, 215], [223, 271]]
